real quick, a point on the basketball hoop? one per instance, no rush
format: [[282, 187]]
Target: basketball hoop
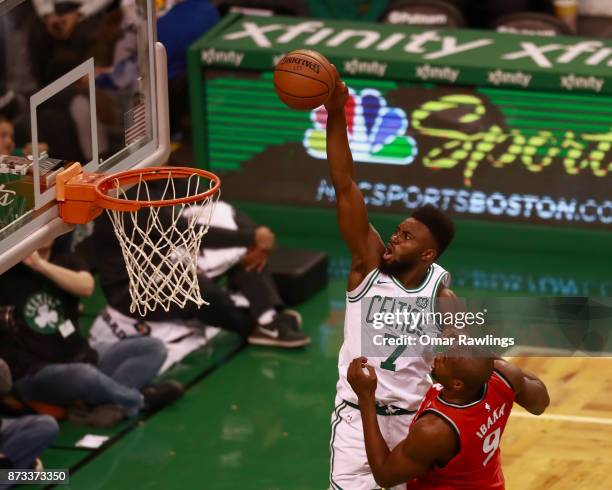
[[159, 226]]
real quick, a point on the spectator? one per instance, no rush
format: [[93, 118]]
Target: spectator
[[22, 440], [7, 141], [266, 321], [52, 363], [180, 26], [17, 82], [62, 18], [69, 33], [7, 136], [116, 54], [177, 28]]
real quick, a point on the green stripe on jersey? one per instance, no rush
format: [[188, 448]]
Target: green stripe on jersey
[[367, 287], [421, 287]]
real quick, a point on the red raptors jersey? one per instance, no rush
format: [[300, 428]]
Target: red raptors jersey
[[479, 426]]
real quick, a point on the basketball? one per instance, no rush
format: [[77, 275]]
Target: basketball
[[304, 79]]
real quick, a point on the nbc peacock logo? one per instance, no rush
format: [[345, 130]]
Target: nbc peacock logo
[[376, 132]]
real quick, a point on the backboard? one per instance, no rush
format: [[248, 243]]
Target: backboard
[[75, 86]]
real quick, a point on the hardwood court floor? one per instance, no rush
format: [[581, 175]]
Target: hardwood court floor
[[570, 446]]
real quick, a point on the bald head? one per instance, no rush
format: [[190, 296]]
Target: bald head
[[463, 368], [473, 372]]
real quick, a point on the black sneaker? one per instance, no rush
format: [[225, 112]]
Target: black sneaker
[[292, 318], [278, 333], [161, 394]]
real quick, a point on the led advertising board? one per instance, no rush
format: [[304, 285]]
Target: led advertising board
[[479, 136]]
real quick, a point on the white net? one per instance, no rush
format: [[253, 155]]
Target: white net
[[160, 244]]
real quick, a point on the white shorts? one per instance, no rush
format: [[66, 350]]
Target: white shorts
[[349, 468]]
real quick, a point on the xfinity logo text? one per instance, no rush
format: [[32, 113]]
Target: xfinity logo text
[[212, 56], [428, 44], [499, 77], [571, 82], [314, 33], [565, 53], [427, 72], [355, 66]]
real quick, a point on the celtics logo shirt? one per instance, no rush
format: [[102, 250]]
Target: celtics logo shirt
[[44, 313], [46, 320]]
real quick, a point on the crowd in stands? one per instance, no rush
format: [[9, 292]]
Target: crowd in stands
[[47, 365], [42, 39]]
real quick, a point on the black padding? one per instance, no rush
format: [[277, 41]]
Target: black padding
[[298, 274], [531, 23], [425, 13], [5, 463], [595, 26], [278, 7]]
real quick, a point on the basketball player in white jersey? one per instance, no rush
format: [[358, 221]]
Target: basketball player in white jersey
[[380, 274]]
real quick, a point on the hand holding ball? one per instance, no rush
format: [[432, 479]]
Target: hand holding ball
[[304, 79]]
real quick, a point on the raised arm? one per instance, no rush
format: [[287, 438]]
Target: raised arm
[[530, 391], [78, 283], [361, 238], [429, 441]]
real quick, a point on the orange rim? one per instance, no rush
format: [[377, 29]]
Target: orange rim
[[131, 177]]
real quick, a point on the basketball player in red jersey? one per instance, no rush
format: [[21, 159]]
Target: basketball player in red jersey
[[453, 443]]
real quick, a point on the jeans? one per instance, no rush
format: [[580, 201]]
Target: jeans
[[123, 368], [22, 440]]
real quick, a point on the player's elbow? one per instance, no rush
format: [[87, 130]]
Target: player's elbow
[[383, 480], [541, 403], [538, 410]]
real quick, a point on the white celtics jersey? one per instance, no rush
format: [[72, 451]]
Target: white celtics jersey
[[402, 380]]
